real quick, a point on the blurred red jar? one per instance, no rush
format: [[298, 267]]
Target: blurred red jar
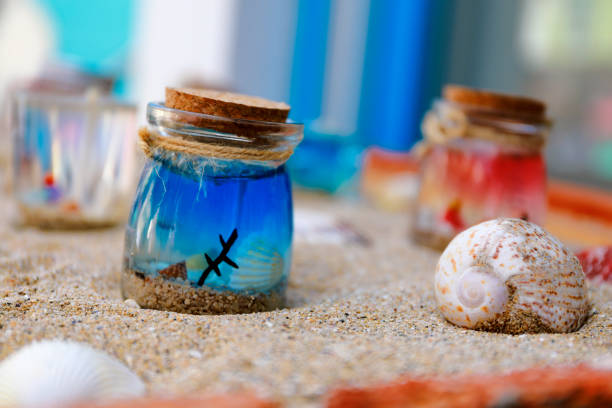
[[481, 158]]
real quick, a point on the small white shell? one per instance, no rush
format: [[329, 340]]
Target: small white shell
[[58, 373], [511, 276]]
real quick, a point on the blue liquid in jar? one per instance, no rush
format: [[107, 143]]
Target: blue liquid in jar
[[232, 214]]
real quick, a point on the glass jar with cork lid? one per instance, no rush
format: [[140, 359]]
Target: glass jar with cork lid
[[211, 227], [481, 158]]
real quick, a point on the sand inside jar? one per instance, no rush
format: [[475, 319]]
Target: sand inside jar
[[48, 217], [161, 294]]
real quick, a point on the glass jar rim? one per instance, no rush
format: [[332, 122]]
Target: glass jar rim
[[215, 129], [495, 118], [80, 102]]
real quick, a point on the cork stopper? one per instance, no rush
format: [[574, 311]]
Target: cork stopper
[[226, 104], [208, 123], [496, 104], [508, 120]]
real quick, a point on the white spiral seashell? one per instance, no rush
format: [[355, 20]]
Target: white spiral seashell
[[511, 276], [479, 286], [58, 374]]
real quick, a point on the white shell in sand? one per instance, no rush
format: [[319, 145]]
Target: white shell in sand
[[58, 373], [511, 276]]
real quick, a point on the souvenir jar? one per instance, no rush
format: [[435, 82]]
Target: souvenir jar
[[74, 159], [481, 158], [211, 226]]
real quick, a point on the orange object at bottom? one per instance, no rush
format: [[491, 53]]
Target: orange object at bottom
[[580, 386]]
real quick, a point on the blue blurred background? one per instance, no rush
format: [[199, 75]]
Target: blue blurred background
[[358, 73]]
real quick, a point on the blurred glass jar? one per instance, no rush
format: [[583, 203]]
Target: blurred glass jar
[[211, 226], [481, 158], [74, 159]]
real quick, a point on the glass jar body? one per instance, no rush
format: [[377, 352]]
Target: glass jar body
[[74, 160], [468, 181], [208, 235]]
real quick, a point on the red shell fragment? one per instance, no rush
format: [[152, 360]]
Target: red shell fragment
[[597, 263], [580, 386]]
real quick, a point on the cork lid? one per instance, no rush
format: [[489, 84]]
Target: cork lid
[[223, 125], [487, 103], [226, 104]]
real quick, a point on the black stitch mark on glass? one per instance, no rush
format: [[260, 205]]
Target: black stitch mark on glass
[[214, 265]]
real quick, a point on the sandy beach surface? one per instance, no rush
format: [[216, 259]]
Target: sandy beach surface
[[358, 314]]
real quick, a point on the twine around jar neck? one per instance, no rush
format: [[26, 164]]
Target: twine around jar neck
[[153, 143], [448, 122]]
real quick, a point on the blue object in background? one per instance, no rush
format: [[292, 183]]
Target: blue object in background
[[394, 74], [93, 35], [324, 160], [390, 88], [308, 70]]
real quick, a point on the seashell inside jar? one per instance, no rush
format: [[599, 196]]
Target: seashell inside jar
[[211, 228], [511, 276]]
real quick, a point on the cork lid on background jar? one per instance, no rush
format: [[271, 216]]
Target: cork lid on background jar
[[484, 103]]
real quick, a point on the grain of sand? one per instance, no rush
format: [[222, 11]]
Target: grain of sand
[[356, 316]]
